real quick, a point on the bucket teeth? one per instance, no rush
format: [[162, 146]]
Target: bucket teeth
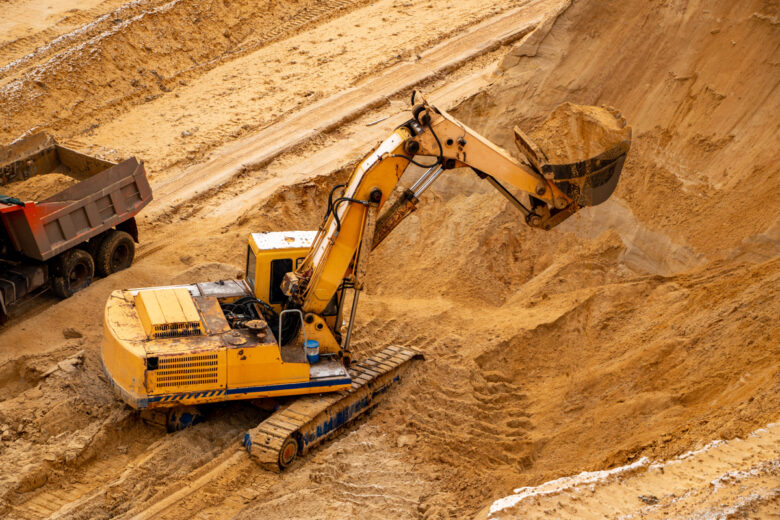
[[310, 420]]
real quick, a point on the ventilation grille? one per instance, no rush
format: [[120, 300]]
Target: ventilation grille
[[168, 313], [198, 369], [176, 330]]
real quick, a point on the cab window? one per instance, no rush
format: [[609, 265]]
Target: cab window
[[279, 268], [251, 262]]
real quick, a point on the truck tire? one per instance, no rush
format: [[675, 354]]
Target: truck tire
[[75, 270], [116, 252], [91, 247]]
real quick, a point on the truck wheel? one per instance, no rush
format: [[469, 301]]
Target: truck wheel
[[91, 247], [76, 270], [116, 252]]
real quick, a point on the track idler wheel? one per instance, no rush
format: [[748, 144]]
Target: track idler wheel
[[288, 452]]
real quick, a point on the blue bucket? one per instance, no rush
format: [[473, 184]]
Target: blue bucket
[[312, 348]]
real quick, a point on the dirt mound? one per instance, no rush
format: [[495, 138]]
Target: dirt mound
[[632, 364], [644, 327], [573, 133], [209, 272], [621, 336], [39, 187], [701, 138]]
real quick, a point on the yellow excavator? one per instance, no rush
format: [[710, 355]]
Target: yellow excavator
[[283, 332]]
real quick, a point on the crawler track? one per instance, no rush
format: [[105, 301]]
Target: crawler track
[[311, 420]]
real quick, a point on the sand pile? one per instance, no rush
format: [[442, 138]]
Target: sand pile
[[587, 348], [39, 187], [573, 133], [613, 361], [645, 329], [702, 139]]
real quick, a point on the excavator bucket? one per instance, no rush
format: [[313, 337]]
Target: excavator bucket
[[581, 149]]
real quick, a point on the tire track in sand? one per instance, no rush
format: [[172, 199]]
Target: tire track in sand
[[126, 57], [330, 113]]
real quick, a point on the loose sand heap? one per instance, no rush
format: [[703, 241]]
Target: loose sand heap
[[39, 187], [575, 133]]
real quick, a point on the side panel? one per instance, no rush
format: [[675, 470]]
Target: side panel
[[193, 372], [262, 365], [123, 367], [319, 331]]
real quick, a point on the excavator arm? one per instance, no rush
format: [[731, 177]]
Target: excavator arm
[[435, 140], [457, 145]]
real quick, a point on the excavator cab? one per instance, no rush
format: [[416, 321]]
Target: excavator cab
[[269, 257]]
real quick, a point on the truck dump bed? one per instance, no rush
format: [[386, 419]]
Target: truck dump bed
[[107, 195]]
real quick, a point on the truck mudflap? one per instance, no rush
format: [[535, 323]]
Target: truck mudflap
[[308, 421]]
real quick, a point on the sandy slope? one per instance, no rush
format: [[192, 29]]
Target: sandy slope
[[174, 80], [645, 327], [724, 479]]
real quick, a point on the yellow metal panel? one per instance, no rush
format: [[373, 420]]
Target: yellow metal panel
[[262, 365], [149, 312], [122, 349], [319, 331], [169, 305], [186, 304], [125, 322], [122, 359]]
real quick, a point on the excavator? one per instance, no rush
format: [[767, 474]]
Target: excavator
[[282, 333]]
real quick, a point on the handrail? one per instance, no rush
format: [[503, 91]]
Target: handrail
[[303, 327]]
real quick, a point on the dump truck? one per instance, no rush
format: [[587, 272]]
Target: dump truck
[[61, 242], [283, 332]]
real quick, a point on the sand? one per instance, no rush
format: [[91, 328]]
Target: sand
[[638, 331], [573, 133], [736, 478], [39, 187], [145, 65]]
